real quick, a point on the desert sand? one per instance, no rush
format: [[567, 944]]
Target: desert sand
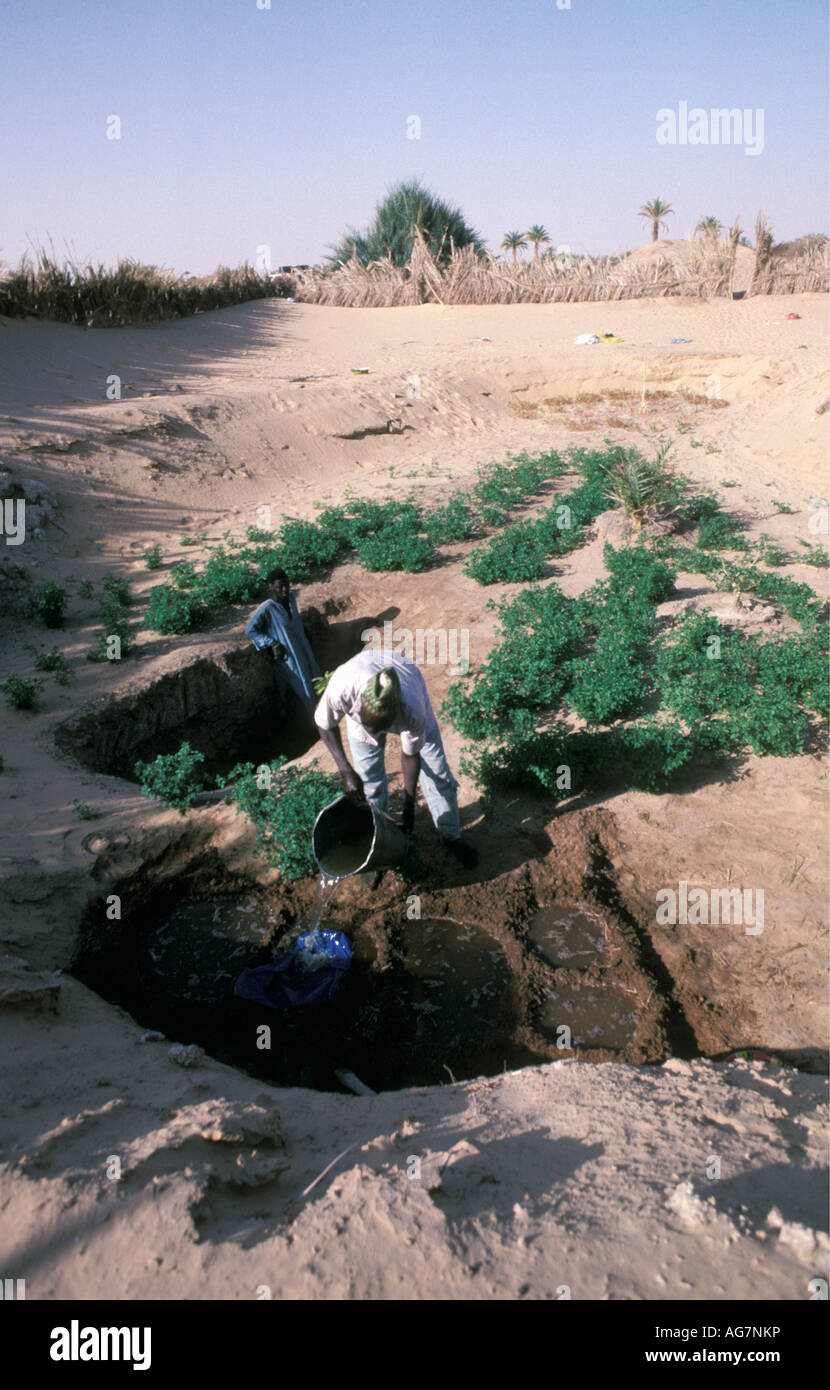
[[570, 1179]]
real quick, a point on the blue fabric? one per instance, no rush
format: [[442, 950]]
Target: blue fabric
[[284, 983], [271, 624]]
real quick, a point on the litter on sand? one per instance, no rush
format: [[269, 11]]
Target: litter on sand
[[587, 338], [681, 340], [793, 316], [609, 338], [360, 371]]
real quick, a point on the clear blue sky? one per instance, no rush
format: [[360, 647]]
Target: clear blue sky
[[244, 127]]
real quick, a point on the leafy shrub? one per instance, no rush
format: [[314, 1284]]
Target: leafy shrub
[[22, 692], [395, 547], [308, 545], [527, 671], [639, 572], [521, 552], [115, 599], [173, 610], [650, 751], [452, 522], [817, 555], [182, 574], [770, 553], [152, 557], [54, 661], [702, 506], [504, 486], [117, 589], [704, 668], [49, 604], [283, 803], [84, 811], [174, 779], [609, 684], [227, 579], [720, 532], [517, 556], [85, 589]]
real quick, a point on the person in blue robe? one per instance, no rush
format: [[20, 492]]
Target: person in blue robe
[[277, 625]]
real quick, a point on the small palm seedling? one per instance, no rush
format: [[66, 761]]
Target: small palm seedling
[[636, 483]]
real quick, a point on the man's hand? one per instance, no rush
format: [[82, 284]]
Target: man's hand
[[279, 651], [352, 785]]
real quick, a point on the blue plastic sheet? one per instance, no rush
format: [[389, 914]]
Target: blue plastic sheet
[[286, 984]]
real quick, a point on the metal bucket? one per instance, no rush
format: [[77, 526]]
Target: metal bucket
[[349, 839]]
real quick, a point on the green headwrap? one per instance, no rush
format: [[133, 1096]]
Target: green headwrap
[[382, 694]]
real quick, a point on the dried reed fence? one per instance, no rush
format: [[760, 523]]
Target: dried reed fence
[[705, 272], [791, 267]]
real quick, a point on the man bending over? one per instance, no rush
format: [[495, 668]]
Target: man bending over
[[381, 692]]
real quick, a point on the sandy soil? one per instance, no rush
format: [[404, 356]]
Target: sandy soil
[[543, 1178]]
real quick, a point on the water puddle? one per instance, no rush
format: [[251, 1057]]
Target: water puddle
[[196, 952], [598, 1017], [568, 938], [601, 1016], [422, 1001]]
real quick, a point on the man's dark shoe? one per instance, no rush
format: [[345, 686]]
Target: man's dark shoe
[[464, 853]]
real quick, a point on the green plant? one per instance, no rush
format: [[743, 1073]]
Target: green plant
[[152, 557], [55, 661], [117, 590], [639, 572], [85, 589], [50, 604], [84, 811], [182, 574], [782, 507], [637, 483], [117, 636], [727, 482], [517, 556], [452, 522], [817, 555], [22, 692], [770, 553], [174, 779], [720, 532], [105, 297], [407, 211], [283, 802], [172, 610]]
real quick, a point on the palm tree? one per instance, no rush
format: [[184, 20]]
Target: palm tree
[[709, 226], [539, 237], [655, 211], [512, 242], [406, 208]]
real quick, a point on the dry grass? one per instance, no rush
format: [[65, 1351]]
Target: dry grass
[[473, 278], [98, 297]]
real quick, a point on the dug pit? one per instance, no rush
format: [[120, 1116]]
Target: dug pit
[[489, 978], [223, 704]]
